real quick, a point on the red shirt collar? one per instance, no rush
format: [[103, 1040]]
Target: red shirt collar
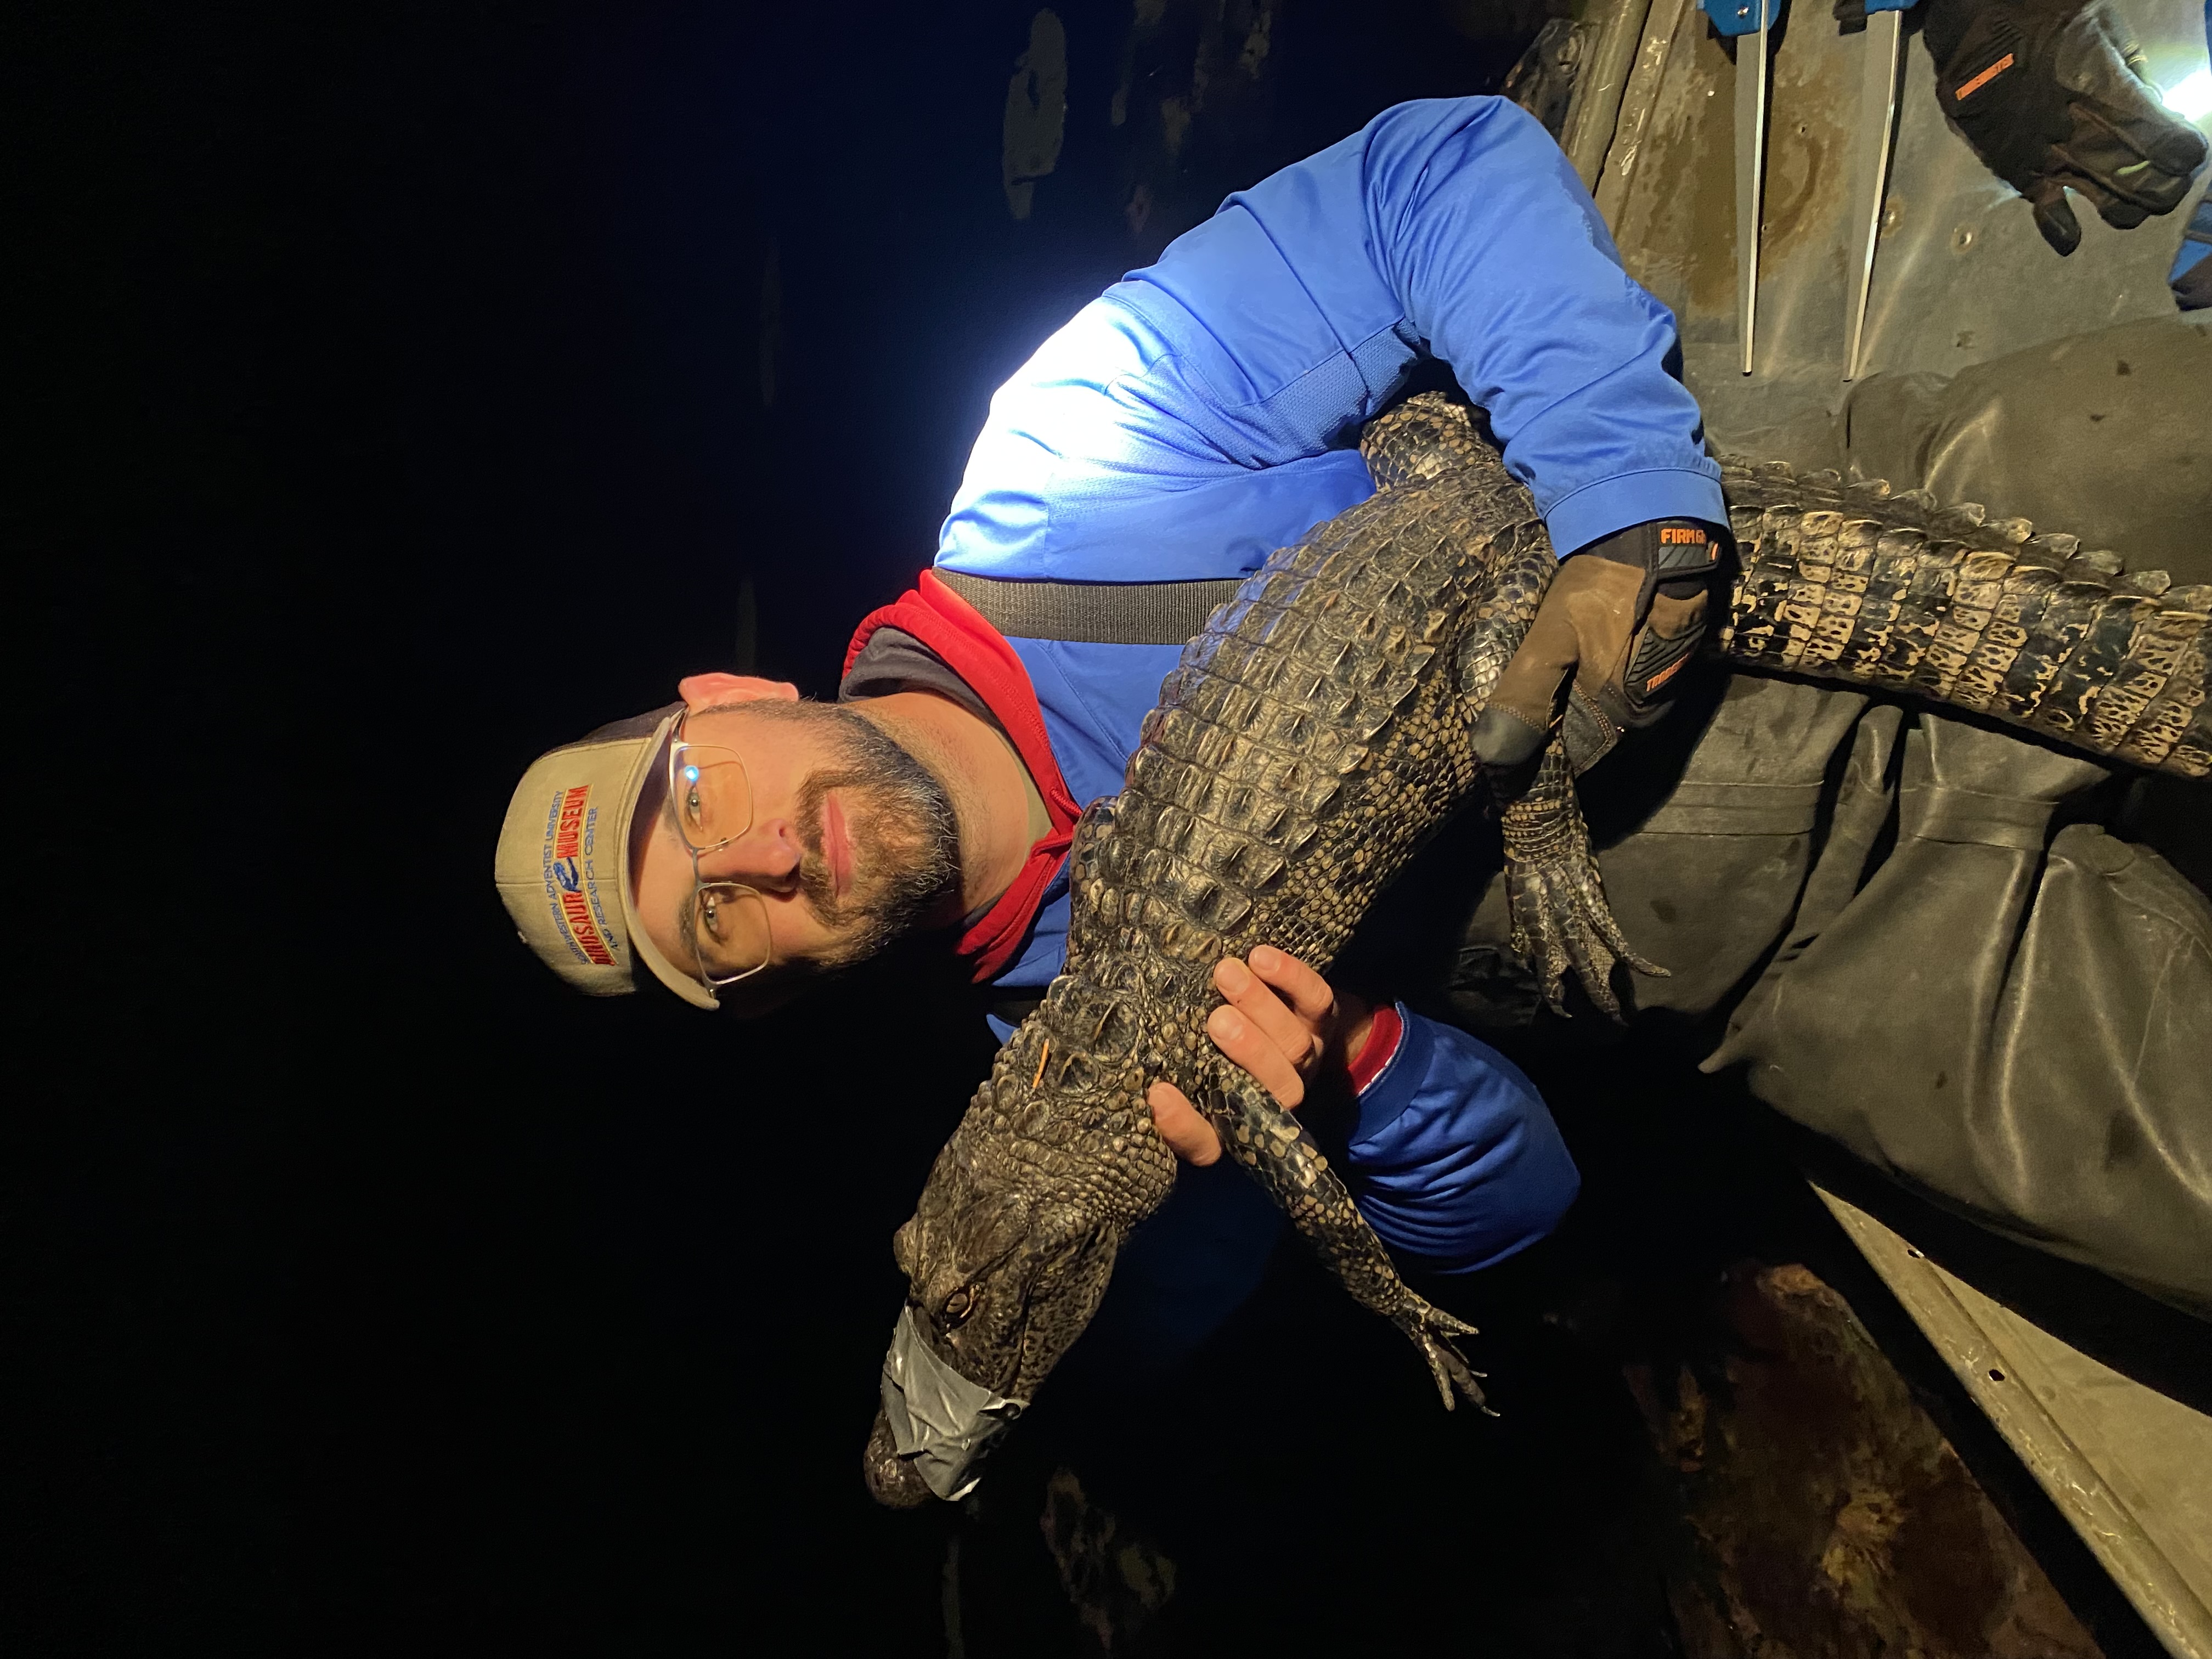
[[948, 625]]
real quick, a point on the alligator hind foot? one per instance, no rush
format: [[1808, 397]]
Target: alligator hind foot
[[1431, 1330], [1554, 894]]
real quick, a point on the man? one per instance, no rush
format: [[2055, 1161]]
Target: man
[[1197, 417]]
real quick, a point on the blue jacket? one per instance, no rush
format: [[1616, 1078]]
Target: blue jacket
[[1200, 413]]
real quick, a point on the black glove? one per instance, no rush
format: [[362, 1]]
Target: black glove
[[2052, 97], [1606, 649]]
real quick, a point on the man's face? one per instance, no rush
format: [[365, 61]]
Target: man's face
[[853, 842]]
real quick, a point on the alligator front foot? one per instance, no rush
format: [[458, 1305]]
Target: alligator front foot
[[1554, 895], [1431, 1330]]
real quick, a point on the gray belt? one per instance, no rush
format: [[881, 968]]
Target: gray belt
[[1094, 613]]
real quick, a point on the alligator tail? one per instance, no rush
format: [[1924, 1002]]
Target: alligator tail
[[1890, 591]]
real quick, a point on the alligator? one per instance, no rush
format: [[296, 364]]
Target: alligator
[[1310, 741]]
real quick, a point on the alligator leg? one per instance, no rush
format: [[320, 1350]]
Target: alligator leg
[[1282, 1157], [1554, 893], [1553, 890]]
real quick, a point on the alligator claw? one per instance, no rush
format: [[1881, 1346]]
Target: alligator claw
[[1431, 1329], [1555, 896]]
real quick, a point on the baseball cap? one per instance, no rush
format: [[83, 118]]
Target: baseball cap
[[563, 867]]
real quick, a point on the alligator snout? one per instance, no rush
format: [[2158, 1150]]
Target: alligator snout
[[893, 1481]]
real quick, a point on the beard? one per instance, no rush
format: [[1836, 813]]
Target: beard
[[899, 819]]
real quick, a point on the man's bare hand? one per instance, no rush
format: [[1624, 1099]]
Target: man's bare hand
[[1282, 1024]]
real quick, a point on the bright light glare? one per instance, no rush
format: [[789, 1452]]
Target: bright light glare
[[2192, 99], [690, 775]]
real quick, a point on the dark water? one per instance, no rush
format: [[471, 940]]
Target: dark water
[[410, 394]]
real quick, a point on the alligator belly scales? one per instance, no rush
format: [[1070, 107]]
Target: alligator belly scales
[[1309, 742]]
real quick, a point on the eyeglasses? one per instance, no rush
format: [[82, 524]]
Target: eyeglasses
[[712, 801]]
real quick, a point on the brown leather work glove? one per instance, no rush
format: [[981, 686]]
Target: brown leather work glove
[[1618, 622]]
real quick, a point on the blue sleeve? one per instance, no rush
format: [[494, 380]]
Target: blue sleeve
[[1455, 1159], [1453, 228]]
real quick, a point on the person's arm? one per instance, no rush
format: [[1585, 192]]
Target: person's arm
[[1455, 227], [1262, 339], [1455, 1159]]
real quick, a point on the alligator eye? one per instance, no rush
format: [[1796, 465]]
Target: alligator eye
[[958, 1306]]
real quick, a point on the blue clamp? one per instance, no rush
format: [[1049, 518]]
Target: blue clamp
[[1742, 16]]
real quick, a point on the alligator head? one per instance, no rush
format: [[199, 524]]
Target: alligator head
[[1005, 1265]]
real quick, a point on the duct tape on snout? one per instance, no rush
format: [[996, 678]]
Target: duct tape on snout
[[940, 1422]]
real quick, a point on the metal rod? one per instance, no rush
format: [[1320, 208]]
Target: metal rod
[[1750, 173], [1877, 122]]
